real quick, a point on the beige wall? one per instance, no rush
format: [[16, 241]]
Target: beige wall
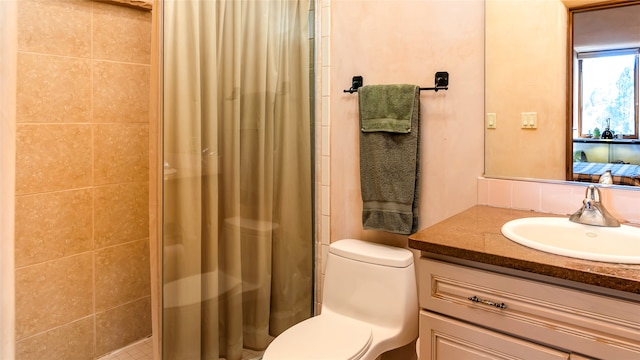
[[526, 71], [405, 42], [82, 138]]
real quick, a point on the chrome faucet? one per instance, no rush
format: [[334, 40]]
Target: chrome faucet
[[592, 211]]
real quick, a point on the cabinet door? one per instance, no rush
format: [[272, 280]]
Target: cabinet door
[[443, 338]]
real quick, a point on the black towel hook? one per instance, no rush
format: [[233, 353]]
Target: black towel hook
[[441, 82], [356, 83]]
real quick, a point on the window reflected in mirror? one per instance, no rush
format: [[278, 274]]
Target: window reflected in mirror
[[607, 82], [604, 109]]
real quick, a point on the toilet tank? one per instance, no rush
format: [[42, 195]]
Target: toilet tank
[[372, 282]]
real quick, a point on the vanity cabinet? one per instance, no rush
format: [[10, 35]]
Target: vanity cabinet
[[470, 312]]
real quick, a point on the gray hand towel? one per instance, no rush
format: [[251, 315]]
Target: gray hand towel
[[389, 161]]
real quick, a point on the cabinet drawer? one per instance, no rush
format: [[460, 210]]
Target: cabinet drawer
[[598, 325], [452, 339]]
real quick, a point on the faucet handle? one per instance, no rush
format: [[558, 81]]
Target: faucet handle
[[592, 193]]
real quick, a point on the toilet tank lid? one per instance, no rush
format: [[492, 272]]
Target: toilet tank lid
[[373, 253]]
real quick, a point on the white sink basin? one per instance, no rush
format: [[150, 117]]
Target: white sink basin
[[563, 237]]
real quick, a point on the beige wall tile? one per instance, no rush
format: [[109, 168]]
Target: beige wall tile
[[52, 157], [53, 89], [61, 27], [53, 225], [121, 34], [120, 92], [121, 153], [123, 325], [66, 98], [121, 213], [73, 341], [122, 274], [53, 293]]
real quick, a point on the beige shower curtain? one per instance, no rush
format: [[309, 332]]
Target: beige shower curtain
[[237, 192]]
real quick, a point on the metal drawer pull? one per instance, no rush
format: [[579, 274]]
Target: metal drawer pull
[[488, 302]]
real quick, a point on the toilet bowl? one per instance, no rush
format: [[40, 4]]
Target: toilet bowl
[[370, 306]]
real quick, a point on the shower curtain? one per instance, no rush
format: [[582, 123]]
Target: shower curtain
[[237, 205]]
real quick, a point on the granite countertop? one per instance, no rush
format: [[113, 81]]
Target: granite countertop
[[475, 235]]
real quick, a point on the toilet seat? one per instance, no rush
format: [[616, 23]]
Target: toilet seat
[[320, 338]]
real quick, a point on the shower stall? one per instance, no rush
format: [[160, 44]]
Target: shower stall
[[237, 205]]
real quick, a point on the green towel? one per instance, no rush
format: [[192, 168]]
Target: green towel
[[389, 169], [386, 108]]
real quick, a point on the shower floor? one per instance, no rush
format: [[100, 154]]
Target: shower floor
[[142, 350]]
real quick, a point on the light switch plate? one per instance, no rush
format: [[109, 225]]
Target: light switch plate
[[491, 120], [529, 120]]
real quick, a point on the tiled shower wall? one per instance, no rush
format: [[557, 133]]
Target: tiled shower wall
[[82, 149], [322, 142]]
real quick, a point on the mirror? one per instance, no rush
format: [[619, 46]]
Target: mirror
[[525, 74], [527, 134]]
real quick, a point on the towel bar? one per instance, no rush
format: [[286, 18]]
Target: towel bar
[[441, 83]]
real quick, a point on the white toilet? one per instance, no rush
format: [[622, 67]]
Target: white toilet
[[370, 306]]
